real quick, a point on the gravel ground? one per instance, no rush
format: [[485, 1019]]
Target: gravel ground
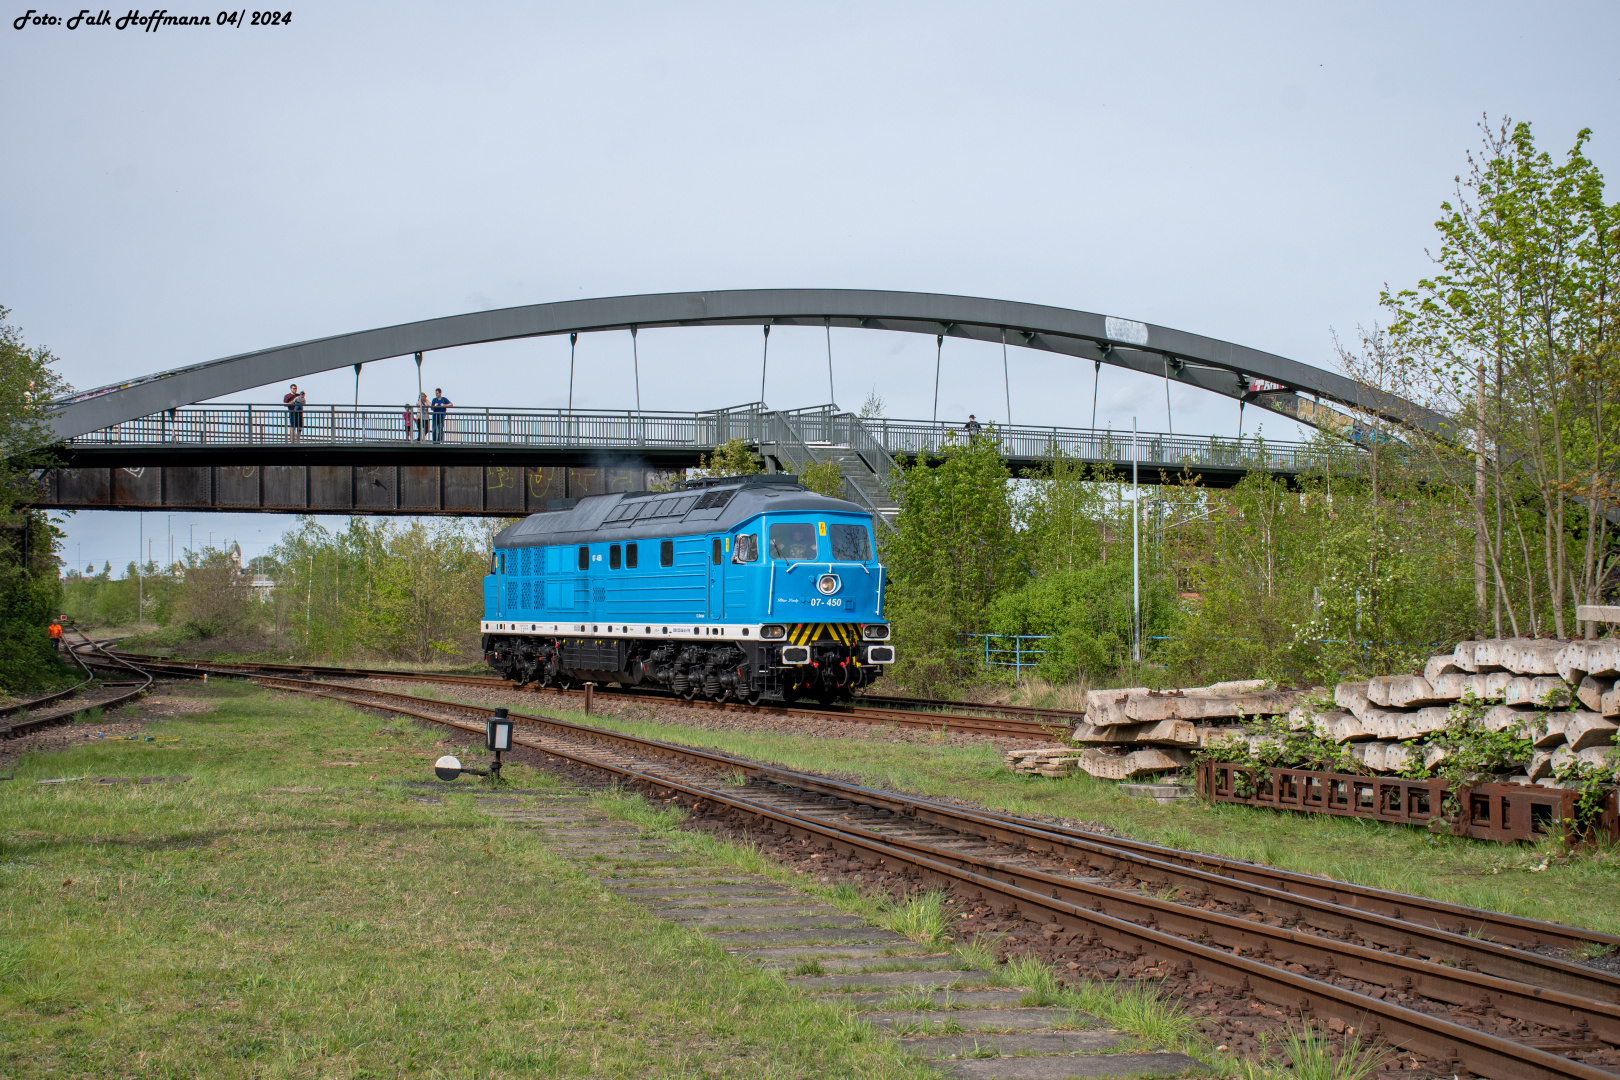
[[171, 700], [1229, 1020]]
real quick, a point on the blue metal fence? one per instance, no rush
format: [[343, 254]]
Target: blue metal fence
[[1010, 650]]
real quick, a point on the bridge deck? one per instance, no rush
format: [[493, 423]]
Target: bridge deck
[[511, 461]]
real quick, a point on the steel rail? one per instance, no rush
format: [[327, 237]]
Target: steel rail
[[1458, 919], [23, 727], [1490, 958], [1006, 727], [1282, 893], [1454, 985], [1465, 1047], [29, 706], [1394, 934], [1286, 891], [1069, 717]]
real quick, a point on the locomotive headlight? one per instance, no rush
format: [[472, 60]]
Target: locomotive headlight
[[827, 584], [772, 631], [875, 631]]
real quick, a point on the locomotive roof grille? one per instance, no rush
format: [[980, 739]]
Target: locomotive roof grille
[[646, 515]]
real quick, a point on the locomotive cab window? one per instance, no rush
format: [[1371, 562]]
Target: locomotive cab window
[[630, 556], [719, 550], [502, 563], [613, 556], [793, 540], [666, 553], [584, 558], [850, 543], [495, 563], [745, 548]]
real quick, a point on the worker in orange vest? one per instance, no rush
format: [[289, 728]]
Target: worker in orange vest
[[56, 635]]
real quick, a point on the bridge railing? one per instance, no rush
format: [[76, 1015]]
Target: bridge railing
[[912, 437], [878, 440], [272, 425], [827, 424]]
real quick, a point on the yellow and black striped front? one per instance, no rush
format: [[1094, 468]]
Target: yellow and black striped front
[[810, 633]]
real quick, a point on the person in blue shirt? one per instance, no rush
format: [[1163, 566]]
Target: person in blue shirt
[[440, 403]]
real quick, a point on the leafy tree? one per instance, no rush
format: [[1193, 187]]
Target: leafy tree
[[1513, 336], [403, 591], [954, 551], [1076, 536], [1085, 615], [215, 600], [824, 478], [732, 458], [30, 593]]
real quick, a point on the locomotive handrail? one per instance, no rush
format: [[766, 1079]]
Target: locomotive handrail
[[829, 565]]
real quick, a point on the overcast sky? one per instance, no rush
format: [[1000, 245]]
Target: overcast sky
[[1253, 173]]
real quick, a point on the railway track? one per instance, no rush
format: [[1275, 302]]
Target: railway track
[[1003, 721], [36, 715], [1457, 985], [24, 707]]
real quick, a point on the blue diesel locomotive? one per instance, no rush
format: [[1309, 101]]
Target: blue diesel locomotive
[[745, 588]]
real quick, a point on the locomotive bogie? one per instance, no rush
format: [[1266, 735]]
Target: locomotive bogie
[[745, 588]]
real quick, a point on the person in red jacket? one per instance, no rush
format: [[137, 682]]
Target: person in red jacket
[[55, 633]]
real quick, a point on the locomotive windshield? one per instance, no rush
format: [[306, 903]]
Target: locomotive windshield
[[794, 540], [849, 543]]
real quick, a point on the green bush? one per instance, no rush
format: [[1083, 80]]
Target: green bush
[[1086, 616]]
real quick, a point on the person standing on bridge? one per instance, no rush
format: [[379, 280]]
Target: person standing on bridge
[[972, 427], [440, 404], [421, 415], [294, 399]]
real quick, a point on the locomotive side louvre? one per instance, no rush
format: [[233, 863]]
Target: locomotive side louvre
[[747, 588]]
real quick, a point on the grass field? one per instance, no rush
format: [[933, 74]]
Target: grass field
[[292, 912], [1537, 882]]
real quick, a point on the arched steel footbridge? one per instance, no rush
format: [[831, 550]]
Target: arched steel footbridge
[[147, 442]]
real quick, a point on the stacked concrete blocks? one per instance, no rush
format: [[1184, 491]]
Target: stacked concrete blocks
[[1562, 694], [1136, 732]]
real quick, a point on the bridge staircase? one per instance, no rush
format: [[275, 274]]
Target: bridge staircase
[[801, 437]]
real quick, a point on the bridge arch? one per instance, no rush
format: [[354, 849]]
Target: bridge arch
[[1219, 367]]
